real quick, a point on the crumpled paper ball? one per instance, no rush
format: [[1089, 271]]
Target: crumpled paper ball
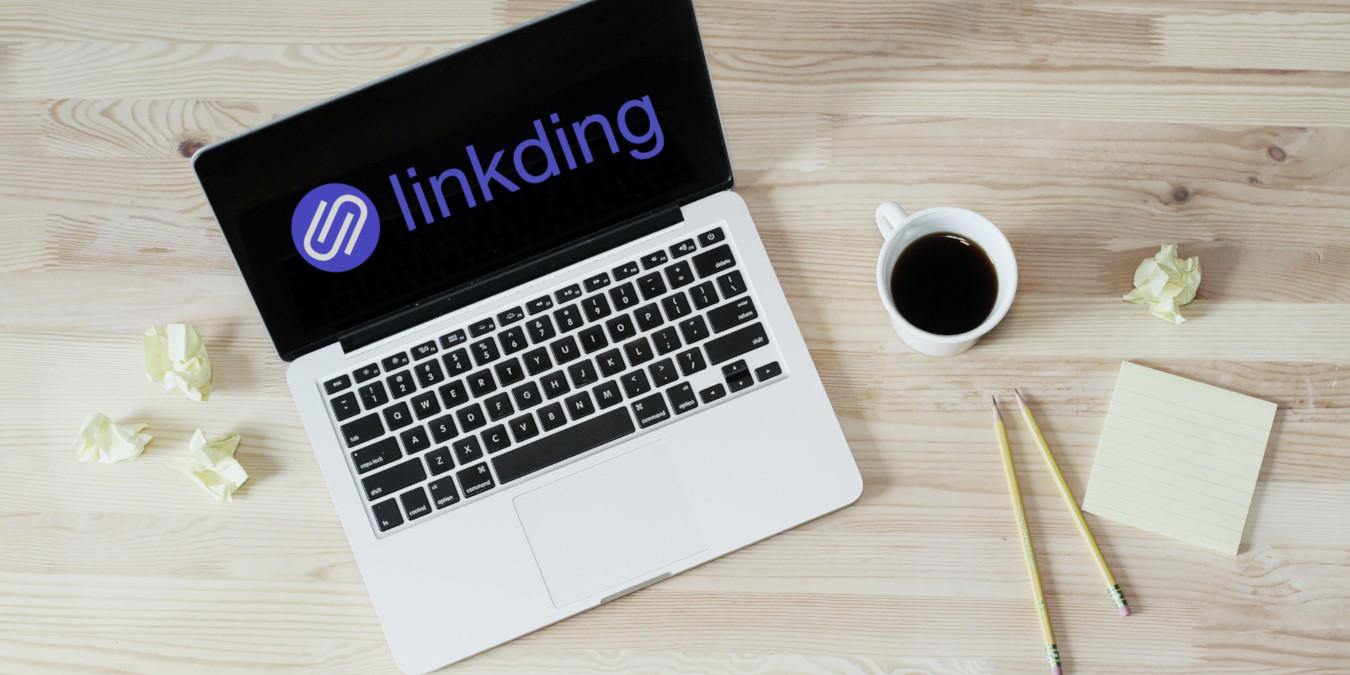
[[102, 441], [1165, 283], [211, 464], [175, 356]]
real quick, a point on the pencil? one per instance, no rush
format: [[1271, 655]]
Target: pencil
[[1072, 502], [1015, 494]]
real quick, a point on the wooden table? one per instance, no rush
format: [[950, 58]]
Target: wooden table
[[1091, 132]]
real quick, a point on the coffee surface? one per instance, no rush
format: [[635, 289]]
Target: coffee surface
[[944, 283]]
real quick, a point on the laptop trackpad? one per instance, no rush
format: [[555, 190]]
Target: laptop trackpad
[[612, 526]]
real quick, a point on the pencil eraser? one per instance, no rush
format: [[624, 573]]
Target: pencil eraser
[[1056, 670], [1124, 610]]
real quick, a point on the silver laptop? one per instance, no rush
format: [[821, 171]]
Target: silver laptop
[[535, 340]]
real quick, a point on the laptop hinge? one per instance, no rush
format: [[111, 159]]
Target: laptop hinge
[[507, 278]]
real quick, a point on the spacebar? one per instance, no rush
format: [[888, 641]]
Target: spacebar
[[565, 444]]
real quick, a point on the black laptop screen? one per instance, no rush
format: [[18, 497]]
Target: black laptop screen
[[428, 184]]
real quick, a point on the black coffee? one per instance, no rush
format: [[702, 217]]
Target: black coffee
[[944, 283]]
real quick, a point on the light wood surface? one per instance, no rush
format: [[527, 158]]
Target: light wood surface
[[1091, 132]]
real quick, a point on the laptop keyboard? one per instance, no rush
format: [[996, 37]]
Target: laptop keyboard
[[443, 422]]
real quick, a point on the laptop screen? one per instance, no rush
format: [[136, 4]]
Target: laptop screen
[[430, 184]]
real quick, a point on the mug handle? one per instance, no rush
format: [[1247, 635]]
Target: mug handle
[[890, 216]]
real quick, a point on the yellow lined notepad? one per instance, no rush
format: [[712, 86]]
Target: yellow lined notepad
[[1179, 458]]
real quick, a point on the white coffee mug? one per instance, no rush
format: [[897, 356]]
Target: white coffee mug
[[901, 229]]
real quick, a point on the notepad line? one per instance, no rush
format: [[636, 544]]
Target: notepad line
[[1178, 404], [1154, 479], [1117, 413], [1145, 521], [1116, 429], [1163, 509]]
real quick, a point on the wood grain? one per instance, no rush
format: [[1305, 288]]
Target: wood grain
[[1090, 131]]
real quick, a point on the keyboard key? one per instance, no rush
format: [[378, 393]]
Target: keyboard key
[[337, 384], [650, 410], [691, 361], [470, 417], [732, 314], [592, 339], [425, 405], [596, 307], [551, 416], [481, 383], [362, 429], [397, 416], [565, 350], [563, 445], [373, 395], [485, 351], [499, 406], [401, 384], [704, 295], [651, 286], [693, 329], [607, 394], [443, 429], [568, 318], [424, 350], [737, 375], [597, 282], [620, 328], [539, 304], [481, 327], [415, 503], [714, 261], [554, 384], [610, 362], [376, 455], [540, 329], [415, 440], [682, 398], [537, 361], [467, 450], [565, 295], [495, 438], [734, 344], [394, 478], [579, 405], [682, 249], [443, 492], [452, 338], [395, 361], [387, 516], [768, 371], [665, 340], [676, 306], [510, 316], [648, 317], [635, 383], [732, 284], [513, 340], [654, 259], [663, 372], [625, 270], [583, 373], [429, 373], [367, 372], [712, 393], [454, 394], [457, 362], [345, 406], [524, 428], [679, 275], [623, 296], [711, 236], [526, 395], [638, 351], [475, 480], [509, 372], [439, 461]]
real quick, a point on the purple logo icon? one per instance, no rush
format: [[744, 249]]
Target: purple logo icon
[[335, 227]]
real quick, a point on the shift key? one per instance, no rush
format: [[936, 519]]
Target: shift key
[[394, 478], [732, 345]]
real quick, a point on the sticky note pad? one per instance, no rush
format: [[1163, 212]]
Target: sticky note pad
[[1179, 458]]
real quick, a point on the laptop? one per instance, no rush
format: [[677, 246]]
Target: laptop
[[534, 338]]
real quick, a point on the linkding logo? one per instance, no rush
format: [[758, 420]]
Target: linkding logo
[[335, 227]]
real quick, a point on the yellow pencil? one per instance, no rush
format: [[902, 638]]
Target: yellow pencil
[[1015, 493], [1069, 499]]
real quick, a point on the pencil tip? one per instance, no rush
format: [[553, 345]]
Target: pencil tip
[[993, 401]]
